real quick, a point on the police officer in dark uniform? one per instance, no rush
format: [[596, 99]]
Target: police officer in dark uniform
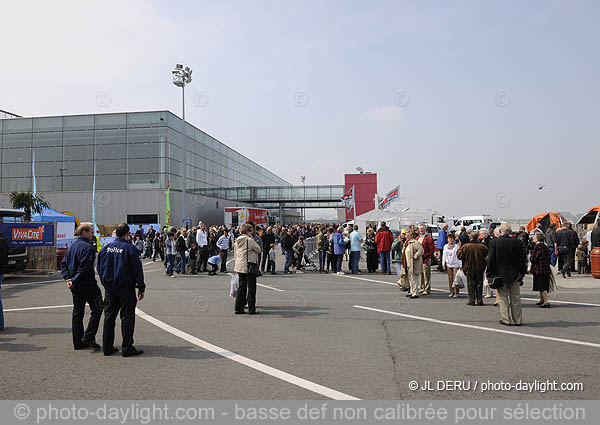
[[78, 271], [120, 271]]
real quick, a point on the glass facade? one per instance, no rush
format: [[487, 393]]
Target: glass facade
[[137, 150]]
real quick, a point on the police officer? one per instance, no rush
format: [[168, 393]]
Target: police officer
[[78, 271], [120, 271]]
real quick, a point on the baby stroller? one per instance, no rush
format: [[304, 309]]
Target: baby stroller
[[309, 264]]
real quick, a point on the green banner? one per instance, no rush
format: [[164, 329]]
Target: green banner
[[168, 208]]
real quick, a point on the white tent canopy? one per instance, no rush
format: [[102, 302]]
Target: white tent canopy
[[396, 220], [375, 217]]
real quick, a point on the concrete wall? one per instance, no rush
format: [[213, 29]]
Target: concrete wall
[[112, 207]]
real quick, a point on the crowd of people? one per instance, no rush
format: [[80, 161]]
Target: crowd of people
[[492, 262]]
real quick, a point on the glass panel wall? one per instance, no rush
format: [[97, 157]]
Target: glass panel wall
[[130, 150]]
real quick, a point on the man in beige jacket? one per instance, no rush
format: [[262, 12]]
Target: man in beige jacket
[[412, 262], [246, 251]]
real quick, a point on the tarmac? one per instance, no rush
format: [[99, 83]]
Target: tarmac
[[318, 336]]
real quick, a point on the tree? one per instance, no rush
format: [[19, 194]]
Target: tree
[[29, 203]]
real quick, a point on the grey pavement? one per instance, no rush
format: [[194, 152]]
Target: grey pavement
[[311, 341]]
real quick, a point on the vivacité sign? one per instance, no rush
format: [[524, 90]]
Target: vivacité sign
[[28, 234]]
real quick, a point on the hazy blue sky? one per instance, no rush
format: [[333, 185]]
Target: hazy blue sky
[[468, 105]]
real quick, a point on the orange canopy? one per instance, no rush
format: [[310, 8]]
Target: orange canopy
[[545, 219], [590, 216]]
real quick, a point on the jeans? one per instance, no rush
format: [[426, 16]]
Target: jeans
[[384, 258], [1, 306], [224, 261], [271, 266], [398, 269], [354, 259], [170, 264], [181, 264], [289, 255], [338, 262], [322, 258], [553, 257]]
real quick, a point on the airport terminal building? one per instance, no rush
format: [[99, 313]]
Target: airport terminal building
[[136, 156]]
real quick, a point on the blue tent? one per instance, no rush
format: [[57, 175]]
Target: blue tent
[[50, 215]]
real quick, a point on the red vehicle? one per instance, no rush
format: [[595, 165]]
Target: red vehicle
[[236, 216]]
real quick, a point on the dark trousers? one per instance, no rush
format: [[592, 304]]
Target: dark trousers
[[561, 261], [117, 301], [330, 262], [193, 261], [158, 252], [581, 266], [566, 254], [265, 260], [224, 261], [372, 261], [246, 293], [81, 295], [271, 266], [203, 259], [475, 287]]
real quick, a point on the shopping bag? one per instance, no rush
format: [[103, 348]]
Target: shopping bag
[[234, 284], [460, 280]]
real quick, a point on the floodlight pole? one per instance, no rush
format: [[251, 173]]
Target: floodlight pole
[[181, 77]]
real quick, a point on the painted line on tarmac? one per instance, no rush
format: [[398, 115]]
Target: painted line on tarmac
[[445, 291], [483, 328], [261, 367], [38, 308], [264, 286], [270, 287], [40, 282]]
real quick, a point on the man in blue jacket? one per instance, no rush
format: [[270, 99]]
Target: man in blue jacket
[[120, 272], [442, 241], [339, 247], [78, 271]]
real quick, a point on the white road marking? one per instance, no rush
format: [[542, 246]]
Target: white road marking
[[483, 328], [268, 370], [38, 308], [264, 286], [40, 282], [270, 287], [446, 291]]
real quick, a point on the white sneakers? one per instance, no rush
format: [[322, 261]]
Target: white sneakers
[[340, 273]]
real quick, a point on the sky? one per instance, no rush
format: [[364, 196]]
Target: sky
[[469, 106]]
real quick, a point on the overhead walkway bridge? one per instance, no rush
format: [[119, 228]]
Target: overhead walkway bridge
[[278, 197]]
